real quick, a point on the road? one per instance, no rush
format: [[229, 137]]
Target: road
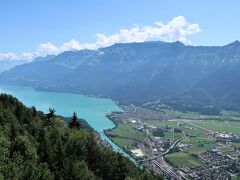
[[165, 152], [163, 166]]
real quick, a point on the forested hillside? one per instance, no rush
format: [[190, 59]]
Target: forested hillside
[[186, 77], [38, 146]]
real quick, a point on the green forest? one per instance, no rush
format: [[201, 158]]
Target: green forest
[[34, 145]]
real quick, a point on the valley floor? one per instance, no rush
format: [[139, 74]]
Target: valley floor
[[177, 144]]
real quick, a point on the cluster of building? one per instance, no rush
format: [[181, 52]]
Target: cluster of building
[[216, 165], [134, 113], [222, 161], [226, 136], [206, 172]]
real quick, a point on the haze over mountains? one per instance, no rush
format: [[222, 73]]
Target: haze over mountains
[[6, 64], [186, 77]]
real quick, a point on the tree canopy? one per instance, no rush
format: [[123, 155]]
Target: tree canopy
[[74, 123], [30, 148]]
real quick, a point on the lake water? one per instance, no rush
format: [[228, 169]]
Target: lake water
[[93, 110]]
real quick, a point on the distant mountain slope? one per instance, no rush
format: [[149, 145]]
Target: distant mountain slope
[[6, 64], [139, 72], [221, 88], [46, 58]]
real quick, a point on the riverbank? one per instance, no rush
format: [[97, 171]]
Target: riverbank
[[113, 137], [126, 152]]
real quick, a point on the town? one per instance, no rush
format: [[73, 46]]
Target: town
[[174, 147]]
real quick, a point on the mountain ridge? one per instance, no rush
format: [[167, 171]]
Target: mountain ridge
[[138, 72]]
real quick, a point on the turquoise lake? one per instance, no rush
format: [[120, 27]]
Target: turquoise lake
[[93, 110]]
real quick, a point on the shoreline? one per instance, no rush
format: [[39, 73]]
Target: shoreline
[[127, 154], [61, 91], [108, 139], [122, 148]]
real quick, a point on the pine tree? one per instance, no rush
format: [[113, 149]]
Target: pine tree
[[34, 111], [74, 123], [50, 115]]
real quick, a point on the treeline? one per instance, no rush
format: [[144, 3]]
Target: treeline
[[34, 145], [201, 105]]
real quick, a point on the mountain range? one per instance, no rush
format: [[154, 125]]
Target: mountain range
[[6, 64], [186, 77]]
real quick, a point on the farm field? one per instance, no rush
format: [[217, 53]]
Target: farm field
[[236, 145], [124, 142], [193, 131], [198, 139], [199, 144], [170, 136], [220, 126], [181, 159], [125, 130], [163, 123], [228, 150], [196, 136]]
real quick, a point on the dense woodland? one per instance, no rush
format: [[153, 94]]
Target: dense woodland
[[34, 145]]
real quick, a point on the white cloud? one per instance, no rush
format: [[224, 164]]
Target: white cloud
[[178, 29], [71, 45], [8, 56], [27, 56], [47, 48]]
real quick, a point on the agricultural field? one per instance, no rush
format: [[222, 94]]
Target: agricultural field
[[124, 142], [188, 129], [180, 114], [181, 159], [220, 126], [235, 178], [193, 131], [228, 150], [198, 138], [199, 144], [163, 123], [125, 135], [171, 136], [237, 145]]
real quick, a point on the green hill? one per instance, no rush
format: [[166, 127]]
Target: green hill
[[35, 147]]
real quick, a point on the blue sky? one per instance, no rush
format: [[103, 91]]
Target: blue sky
[[26, 24]]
